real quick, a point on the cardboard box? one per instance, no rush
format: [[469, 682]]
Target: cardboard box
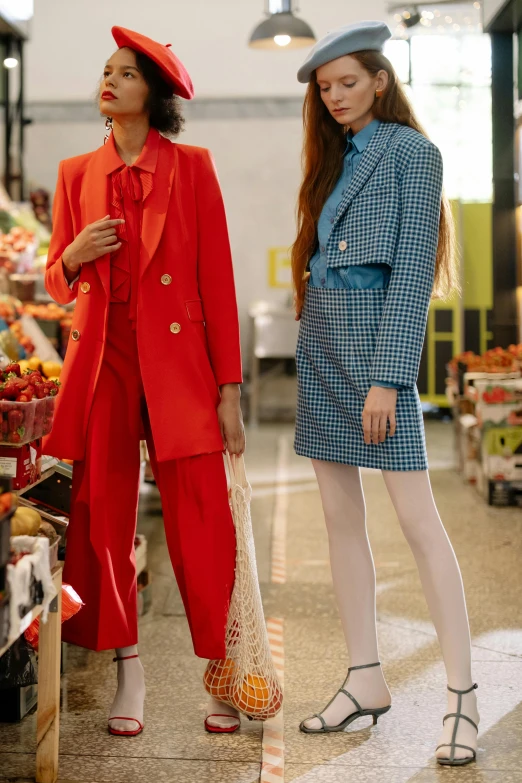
[[502, 454], [22, 464], [499, 403]]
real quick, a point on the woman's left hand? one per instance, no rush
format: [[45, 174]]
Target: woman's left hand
[[231, 419], [379, 409]]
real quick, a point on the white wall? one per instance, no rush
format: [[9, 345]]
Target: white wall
[[71, 41]]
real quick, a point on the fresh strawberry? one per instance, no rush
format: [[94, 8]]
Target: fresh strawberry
[[40, 391], [23, 398], [14, 437], [13, 368], [34, 377], [10, 391], [15, 418]]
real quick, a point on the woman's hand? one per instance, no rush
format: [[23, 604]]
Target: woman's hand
[[231, 419], [379, 409], [94, 241]]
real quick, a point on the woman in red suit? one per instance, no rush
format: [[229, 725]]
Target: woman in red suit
[[140, 241]]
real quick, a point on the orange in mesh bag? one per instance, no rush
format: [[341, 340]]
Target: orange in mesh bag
[[246, 679]]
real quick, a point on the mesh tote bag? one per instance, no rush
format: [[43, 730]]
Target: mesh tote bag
[[247, 678]]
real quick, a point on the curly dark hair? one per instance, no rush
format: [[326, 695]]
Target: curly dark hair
[[164, 107]]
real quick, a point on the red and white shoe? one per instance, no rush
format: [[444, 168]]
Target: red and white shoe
[[121, 732]]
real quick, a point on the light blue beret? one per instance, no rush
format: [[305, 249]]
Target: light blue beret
[[351, 38]]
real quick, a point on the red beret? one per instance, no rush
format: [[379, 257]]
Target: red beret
[[172, 69]]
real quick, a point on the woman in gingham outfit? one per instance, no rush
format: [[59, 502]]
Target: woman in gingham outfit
[[374, 243]]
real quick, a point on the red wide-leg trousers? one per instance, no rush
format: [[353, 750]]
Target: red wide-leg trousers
[[100, 562]]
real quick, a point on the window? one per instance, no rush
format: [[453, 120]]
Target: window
[[448, 80]]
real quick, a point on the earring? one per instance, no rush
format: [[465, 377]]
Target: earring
[[108, 129], [378, 93]]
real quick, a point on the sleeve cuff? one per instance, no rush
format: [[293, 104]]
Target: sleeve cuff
[[385, 385], [73, 282]]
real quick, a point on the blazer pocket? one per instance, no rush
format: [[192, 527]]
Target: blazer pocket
[[376, 192], [195, 310]]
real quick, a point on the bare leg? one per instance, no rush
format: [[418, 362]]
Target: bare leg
[[353, 575], [442, 584]]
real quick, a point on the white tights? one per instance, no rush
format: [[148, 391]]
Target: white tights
[[353, 574]]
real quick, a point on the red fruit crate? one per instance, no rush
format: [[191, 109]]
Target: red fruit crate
[[23, 422]]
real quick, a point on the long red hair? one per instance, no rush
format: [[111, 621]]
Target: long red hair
[[322, 161]]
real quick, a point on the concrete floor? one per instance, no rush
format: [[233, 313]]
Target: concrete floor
[[174, 746]]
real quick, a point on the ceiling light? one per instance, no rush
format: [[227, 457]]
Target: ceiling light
[[10, 62], [411, 16], [281, 30]]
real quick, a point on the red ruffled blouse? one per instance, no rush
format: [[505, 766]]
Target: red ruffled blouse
[[129, 186]]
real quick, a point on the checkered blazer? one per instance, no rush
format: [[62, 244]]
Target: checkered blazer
[[390, 214]]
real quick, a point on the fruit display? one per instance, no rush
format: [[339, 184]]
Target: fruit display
[[10, 346], [18, 240], [496, 360], [49, 370], [21, 338], [45, 312], [10, 309], [26, 405], [6, 501], [25, 522]]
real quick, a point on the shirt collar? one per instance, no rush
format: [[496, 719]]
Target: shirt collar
[[147, 160], [361, 140]]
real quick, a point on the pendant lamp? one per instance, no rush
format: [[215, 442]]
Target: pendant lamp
[[281, 29]]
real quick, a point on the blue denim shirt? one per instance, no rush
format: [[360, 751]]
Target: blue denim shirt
[[366, 276]]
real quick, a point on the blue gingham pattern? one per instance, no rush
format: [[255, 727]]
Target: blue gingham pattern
[[390, 215], [348, 338], [337, 340]]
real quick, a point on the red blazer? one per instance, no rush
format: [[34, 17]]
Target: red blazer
[[184, 236]]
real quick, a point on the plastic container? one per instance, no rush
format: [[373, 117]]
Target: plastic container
[[23, 422]]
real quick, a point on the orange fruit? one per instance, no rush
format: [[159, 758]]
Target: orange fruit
[[218, 677], [276, 703], [252, 695]]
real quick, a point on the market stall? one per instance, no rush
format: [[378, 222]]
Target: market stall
[[30, 591], [486, 397]]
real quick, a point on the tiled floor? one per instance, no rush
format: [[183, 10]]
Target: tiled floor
[[174, 746]]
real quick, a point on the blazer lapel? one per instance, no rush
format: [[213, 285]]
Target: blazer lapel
[[94, 202], [156, 204], [369, 160]]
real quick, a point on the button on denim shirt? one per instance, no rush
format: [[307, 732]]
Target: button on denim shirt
[[365, 276]]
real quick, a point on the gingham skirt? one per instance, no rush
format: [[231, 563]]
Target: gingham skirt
[[337, 341]]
